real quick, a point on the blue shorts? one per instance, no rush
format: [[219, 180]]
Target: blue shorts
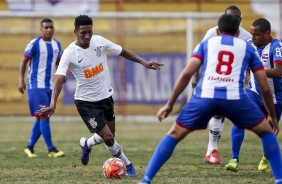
[[38, 98], [198, 111], [256, 98]]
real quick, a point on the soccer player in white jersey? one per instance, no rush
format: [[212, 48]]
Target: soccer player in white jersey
[[44, 53], [87, 59], [220, 91], [269, 50], [216, 123]]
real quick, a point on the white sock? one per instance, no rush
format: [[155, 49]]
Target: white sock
[[94, 140], [117, 152], [215, 130]]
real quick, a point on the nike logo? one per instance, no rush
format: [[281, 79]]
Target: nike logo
[[80, 60]]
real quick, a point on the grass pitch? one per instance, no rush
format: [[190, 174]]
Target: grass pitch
[[138, 141]]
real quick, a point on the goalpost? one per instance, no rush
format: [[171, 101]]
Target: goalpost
[[167, 37]]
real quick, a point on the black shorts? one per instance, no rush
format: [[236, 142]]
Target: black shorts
[[96, 114]]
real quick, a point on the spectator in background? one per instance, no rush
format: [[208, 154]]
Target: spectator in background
[[44, 53]]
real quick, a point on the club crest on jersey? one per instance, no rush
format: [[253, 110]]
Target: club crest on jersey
[[98, 51], [92, 122], [264, 57]]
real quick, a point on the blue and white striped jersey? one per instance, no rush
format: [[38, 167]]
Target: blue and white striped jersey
[[225, 60], [43, 56], [270, 54]]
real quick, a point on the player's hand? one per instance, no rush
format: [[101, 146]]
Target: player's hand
[[21, 86], [274, 124], [47, 110], [153, 65], [164, 112]]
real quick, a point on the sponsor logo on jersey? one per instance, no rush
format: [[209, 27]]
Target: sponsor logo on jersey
[[221, 79], [264, 57], [93, 71], [92, 122]]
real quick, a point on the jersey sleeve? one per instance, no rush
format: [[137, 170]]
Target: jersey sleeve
[[29, 49], [60, 52], [198, 51], [255, 62], [111, 46], [65, 61], [277, 54]]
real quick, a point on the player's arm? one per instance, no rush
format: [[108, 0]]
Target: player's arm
[[182, 81], [21, 84], [135, 58], [275, 72], [58, 85], [260, 76]]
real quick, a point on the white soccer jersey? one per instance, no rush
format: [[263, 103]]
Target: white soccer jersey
[[89, 67], [224, 63], [243, 34]]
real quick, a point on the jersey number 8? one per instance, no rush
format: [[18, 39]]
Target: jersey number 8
[[225, 60]]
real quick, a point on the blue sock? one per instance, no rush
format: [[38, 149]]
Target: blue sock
[[237, 137], [162, 153], [35, 134], [46, 133], [272, 153]]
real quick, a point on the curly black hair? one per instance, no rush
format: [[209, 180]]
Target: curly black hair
[[82, 20]]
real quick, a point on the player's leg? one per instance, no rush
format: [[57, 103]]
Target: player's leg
[[33, 102], [237, 137], [193, 116], [163, 151], [264, 163], [271, 149], [35, 134], [115, 149], [43, 100], [215, 130], [253, 118], [110, 117]]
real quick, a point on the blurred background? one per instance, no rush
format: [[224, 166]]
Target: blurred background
[[161, 30]]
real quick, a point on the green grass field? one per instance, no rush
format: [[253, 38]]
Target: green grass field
[[138, 141]]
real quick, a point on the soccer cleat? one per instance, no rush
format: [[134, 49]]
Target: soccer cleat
[[264, 164], [130, 171], [232, 165], [54, 153], [85, 151], [212, 158], [30, 152]]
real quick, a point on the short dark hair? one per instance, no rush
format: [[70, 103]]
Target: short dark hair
[[263, 24], [82, 20], [45, 20], [232, 8], [228, 24]]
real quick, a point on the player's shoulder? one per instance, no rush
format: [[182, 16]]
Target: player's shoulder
[[244, 34], [57, 41], [70, 48], [97, 38], [211, 33], [276, 42], [35, 40]]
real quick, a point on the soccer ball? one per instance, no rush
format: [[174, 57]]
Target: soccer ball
[[114, 168]]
